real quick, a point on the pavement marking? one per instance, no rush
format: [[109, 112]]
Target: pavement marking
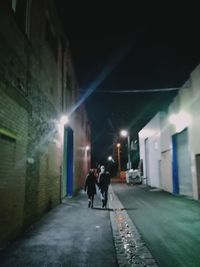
[[130, 247]]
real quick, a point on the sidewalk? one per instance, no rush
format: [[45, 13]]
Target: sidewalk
[[71, 235]]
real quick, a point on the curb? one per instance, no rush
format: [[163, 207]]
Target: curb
[[130, 247]]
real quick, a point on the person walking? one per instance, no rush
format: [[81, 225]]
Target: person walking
[[103, 183], [90, 187]]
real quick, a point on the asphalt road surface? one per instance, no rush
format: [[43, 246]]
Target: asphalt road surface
[[170, 225]]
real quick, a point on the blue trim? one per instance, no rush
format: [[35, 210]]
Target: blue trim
[[175, 165], [69, 162]]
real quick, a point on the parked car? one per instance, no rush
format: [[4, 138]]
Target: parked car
[[134, 176]]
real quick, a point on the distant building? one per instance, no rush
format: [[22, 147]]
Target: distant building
[[41, 161], [150, 152], [169, 143]]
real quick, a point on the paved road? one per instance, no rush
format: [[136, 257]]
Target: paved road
[[169, 225]]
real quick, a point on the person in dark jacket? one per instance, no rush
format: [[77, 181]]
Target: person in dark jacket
[[90, 187], [103, 183]]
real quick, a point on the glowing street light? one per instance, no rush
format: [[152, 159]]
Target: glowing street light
[[64, 120], [118, 157], [125, 133], [87, 148], [110, 158]]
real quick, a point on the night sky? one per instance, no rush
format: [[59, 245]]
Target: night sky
[[119, 47]]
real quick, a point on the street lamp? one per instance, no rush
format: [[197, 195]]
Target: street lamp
[[118, 156], [87, 148], [64, 120], [109, 158], [125, 133], [61, 125]]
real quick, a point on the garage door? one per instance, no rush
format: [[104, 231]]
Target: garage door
[[183, 164]]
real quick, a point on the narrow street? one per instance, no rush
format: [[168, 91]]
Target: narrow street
[[88, 92], [141, 227], [169, 225]]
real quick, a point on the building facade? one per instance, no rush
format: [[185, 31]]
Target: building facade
[[150, 151], [177, 158], [41, 159]]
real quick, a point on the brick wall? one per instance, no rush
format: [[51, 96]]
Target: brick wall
[[13, 142], [30, 102], [34, 93]]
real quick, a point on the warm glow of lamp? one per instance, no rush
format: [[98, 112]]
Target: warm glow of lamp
[[61, 123], [87, 148], [124, 133], [110, 158], [63, 120], [118, 157]]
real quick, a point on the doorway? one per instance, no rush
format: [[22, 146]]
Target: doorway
[[182, 181], [68, 162], [197, 158]]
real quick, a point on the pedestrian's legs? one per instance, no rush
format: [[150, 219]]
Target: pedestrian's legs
[[92, 201], [105, 198], [89, 201]]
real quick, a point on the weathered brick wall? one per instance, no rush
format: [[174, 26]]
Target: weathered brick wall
[[27, 75], [49, 179], [42, 133], [82, 157], [43, 185], [32, 83], [13, 142]]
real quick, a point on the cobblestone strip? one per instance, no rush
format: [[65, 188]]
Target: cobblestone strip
[[131, 249]]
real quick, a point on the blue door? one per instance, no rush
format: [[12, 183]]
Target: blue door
[[175, 165], [182, 178], [68, 162]]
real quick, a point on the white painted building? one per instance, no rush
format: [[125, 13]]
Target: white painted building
[[150, 151], [169, 143]]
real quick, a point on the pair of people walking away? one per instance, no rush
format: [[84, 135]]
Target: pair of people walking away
[[103, 184], [90, 187]]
